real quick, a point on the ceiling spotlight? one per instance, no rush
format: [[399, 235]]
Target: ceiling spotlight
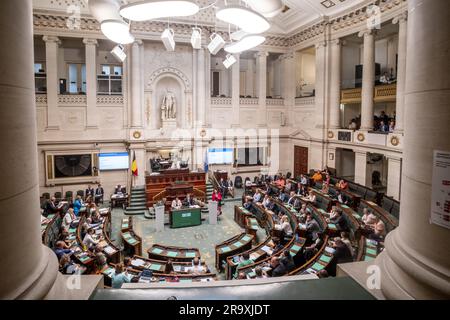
[[119, 53], [153, 9], [196, 38], [167, 39], [246, 43], [244, 18], [229, 61], [117, 31], [216, 43]]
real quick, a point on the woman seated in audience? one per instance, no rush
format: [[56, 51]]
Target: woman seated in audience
[[340, 198], [302, 213], [100, 262], [325, 188], [311, 198], [339, 220], [257, 197], [366, 214], [89, 240], [77, 205], [285, 226], [66, 266], [120, 277], [70, 220], [332, 214], [303, 180]]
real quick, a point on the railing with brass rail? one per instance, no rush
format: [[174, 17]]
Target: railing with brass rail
[[382, 93]]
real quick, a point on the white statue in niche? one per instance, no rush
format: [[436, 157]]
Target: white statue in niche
[[168, 106]]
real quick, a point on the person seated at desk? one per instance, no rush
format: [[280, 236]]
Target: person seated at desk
[[285, 226], [311, 250], [341, 255], [61, 248], [339, 220], [311, 198], [325, 188], [278, 267], [99, 194], [365, 216], [377, 228], [257, 197], [120, 277], [317, 177], [77, 205], [269, 190], [51, 207], [266, 200], [63, 234], [66, 266], [260, 274], [312, 227], [288, 260], [244, 261], [223, 186], [189, 201], [345, 239], [118, 189], [230, 186], [281, 182], [89, 192], [70, 220], [303, 180], [340, 197], [277, 246], [89, 240], [100, 262], [198, 202], [176, 204], [302, 190], [197, 267], [283, 197], [343, 185], [248, 182], [248, 203], [302, 213], [291, 198], [289, 187]]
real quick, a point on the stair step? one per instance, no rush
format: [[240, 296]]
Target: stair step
[[134, 213], [138, 203], [137, 208]]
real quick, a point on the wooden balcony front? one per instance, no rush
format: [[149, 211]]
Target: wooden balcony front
[[382, 93]]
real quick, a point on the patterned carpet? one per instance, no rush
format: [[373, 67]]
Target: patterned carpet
[[203, 237]]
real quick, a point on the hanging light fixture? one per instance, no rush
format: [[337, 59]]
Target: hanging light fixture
[[229, 61], [117, 31], [167, 38], [153, 9], [246, 43], [244, 18], [216, 43]]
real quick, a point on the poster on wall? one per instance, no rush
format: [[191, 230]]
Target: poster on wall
[[440, 197]]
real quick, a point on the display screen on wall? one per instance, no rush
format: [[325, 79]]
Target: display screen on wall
[[113, 161], [75, 165], [220, 156]]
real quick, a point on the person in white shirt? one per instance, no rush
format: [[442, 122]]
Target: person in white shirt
[[266, 201], [88, 240], [69, 217], [285, 225], [257, 196], [291, 198], [303, 180], [176, 204], [365, 216], [197, 266], [311, 197]]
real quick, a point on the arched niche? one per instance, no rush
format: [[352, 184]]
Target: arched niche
[[176, 81]]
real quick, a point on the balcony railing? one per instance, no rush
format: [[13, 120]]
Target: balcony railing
[[249, 101], [382, 93], [79, 100], [305, 101], [220, 101], [275, 102]]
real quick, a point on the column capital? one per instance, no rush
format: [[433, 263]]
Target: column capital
[[288, 55], [401, 18], [51, 39], [336, 42], [367, 32], [139, 42], [321, 44], [261, 53], [90, 41]]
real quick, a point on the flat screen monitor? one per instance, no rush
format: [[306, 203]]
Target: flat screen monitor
[[113, 161], [220, 156]]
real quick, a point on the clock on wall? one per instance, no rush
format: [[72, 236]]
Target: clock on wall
[[360, 137]]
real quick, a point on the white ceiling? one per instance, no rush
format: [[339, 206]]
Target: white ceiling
[[300, 13]]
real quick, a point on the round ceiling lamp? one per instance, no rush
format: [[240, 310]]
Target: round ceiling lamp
[[152, 9], [246, 43], [117, 31], [244, 18]]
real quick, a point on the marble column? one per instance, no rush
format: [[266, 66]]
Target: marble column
[[51, 63], [394, 177], [29, 269], [91, 83], [335, 85], [261, 75], [401, 71], [235, 90], [201, 87], [320, 84], [368, 81], [288, 93], [136, 102], [194, 87], [361, 167], [416, 261]]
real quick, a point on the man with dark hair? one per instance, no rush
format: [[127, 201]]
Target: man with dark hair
[[99, 194], [288, 260], [245, 261]]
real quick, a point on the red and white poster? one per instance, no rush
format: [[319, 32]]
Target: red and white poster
[[440, 197]]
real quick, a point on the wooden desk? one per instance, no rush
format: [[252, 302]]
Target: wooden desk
[[162, 252], [240, 215], [132, 243], [230, 247], [119, 200], [252, 227]]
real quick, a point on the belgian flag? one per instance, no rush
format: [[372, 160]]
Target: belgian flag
[[134, 169]]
